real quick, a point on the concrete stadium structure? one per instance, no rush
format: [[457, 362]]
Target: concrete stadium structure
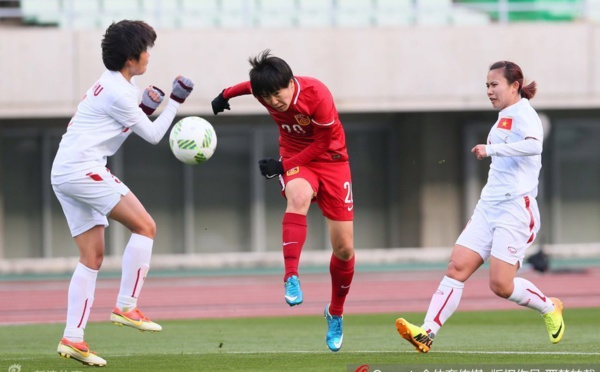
[[413, 102]]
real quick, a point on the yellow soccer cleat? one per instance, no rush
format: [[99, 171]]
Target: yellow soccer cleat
[[79, 351], [135, 319], [415, 335], [554, 322]]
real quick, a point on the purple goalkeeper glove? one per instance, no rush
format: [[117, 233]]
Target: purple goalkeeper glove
[[182, 88], [150, 102]]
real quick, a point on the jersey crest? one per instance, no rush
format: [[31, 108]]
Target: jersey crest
[[302, 119], [293, 171]]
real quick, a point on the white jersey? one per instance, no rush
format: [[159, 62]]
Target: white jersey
[[101, 124], [512, 177]]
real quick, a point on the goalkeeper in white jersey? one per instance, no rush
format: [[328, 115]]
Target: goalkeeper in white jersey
[[506, 219], [88, 193]]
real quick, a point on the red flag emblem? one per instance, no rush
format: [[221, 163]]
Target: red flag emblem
[[302, 119], [505, 123]]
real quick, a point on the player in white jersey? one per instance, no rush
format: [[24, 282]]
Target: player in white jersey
[[89, 193], [506, 218]]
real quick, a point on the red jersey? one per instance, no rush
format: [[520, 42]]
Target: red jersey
[[310, 129]]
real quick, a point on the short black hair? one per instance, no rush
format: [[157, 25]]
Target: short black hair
[[268, 74], [124, 40]]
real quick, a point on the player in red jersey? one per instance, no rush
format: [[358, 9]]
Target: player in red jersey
[[313, 166]]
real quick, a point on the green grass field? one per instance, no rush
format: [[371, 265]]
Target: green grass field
[[298, 343]]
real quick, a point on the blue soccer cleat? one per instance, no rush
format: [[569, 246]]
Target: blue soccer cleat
[[293, 293], [335, 330]]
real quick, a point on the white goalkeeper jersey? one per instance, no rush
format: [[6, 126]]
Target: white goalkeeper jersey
[[101, 124], [512, 177]]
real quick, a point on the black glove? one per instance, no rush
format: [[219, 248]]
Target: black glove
[[148, 104], [270, 168], [220, 104], [182, 88]]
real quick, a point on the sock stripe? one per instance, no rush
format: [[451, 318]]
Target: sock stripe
[[437, 317], [137, 279], [83, 314]]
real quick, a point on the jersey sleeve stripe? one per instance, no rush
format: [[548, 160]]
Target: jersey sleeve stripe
[[324, 124], [297, 91]]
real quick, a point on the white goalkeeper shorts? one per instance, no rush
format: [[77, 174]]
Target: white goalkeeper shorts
[[504, 230], [88, 199]]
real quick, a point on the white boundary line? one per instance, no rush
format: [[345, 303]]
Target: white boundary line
[[349, 352]]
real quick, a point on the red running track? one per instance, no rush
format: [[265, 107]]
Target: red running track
[[251, 296]]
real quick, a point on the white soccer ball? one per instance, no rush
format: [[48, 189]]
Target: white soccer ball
[[193, 140]]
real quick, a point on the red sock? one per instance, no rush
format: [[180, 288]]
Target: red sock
[[341, 278], [294, 236]]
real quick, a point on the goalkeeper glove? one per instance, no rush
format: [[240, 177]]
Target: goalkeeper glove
[[149, 104], [182, 87]]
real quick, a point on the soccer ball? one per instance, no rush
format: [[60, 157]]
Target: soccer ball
[[193, 140]]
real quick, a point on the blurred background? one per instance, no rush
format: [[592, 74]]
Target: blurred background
[[408, 78]]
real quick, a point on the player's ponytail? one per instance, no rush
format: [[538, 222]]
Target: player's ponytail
[[529, 90]]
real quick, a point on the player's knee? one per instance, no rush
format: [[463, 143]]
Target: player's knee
[[98, 261], [500, 288], [147, 228], [298, 201], [454, 270], [343, 251], [93, 261]]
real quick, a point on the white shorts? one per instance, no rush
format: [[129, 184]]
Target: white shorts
[[504, 230], [87, 200]]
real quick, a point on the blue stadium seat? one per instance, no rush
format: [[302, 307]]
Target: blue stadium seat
[[434, 12], [275, 14], [116, 10], [393, 13], [469, 17], [199, 14], [81, 14], [162, 14], [593, 10], [41, 12], [236, 14], [315, 13], [354, 13]]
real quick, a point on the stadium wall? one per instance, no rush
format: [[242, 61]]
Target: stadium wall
[[414, 79], [45, 71]]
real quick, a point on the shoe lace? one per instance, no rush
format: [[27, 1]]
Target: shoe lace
[[335, 325], [550, 323], [141, 315], [292, 286], [84, 347]]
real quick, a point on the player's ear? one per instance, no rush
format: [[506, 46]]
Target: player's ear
[[291, 84]]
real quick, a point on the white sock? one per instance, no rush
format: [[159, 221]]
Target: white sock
[[444, 303], [136, 263], [80, 300], [527, 294]]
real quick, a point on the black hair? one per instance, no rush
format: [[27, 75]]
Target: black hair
[[268, 74], [124, 40]]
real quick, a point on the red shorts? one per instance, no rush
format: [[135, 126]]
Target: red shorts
[[332, 184]]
